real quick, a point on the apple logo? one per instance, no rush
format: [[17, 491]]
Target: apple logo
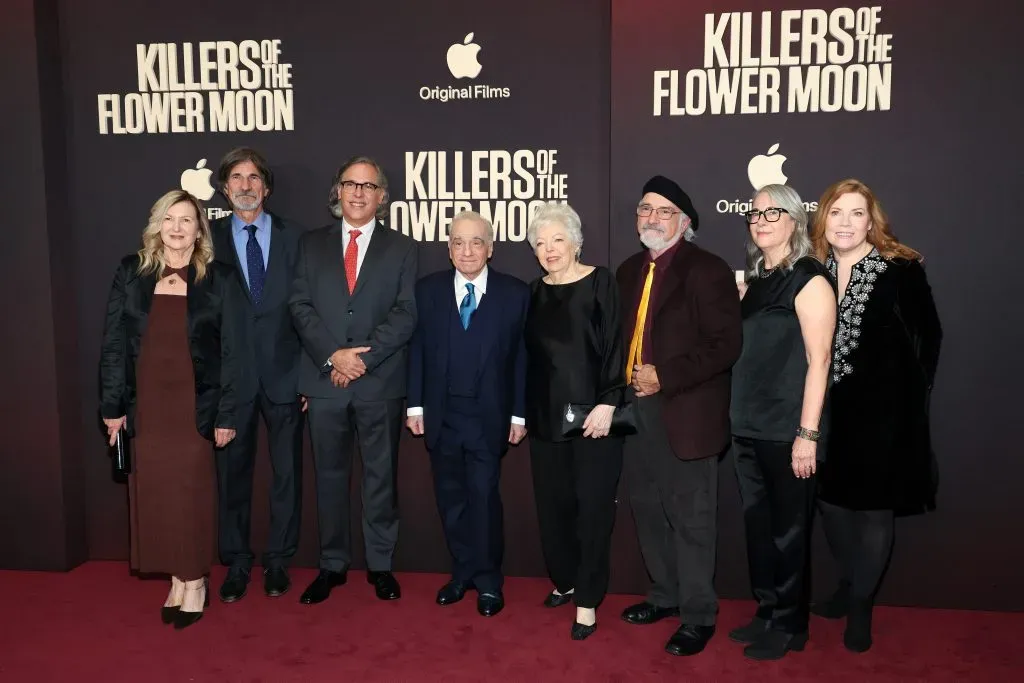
[[462, 61], [196, 181], [767, 169]]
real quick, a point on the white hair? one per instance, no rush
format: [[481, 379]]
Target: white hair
[[562, 214], [474, 216]]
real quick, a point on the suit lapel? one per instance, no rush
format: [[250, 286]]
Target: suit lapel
[[194, 296], [228, 255], [374, 255], [444, 308], [276, 264], [487, 316], [673, 277], [332, 255], [632, 278]]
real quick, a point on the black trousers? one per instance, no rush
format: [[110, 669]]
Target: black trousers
[[675, 507], [861, 542], [235, 464], [466, 475], [336, 425], [574, 485], [778, 508]]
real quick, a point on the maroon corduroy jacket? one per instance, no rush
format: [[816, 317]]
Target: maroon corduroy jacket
[[695, 339]]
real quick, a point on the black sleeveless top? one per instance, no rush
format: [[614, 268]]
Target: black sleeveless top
[[768, 379]]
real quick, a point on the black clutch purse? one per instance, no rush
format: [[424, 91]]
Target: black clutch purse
[[121, 455], [575, 414]]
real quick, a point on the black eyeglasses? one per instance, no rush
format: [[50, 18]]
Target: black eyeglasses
[[351, 186], [770, 214]]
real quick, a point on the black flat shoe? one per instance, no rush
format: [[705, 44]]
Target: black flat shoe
[[751, 632], [582, 631], [451, 593], [320, 589], [646, 613], [167, 614], [689, 639], [774, 645], [276, 582], [557, 599], [489, 604], [385, 585], [236, 583]]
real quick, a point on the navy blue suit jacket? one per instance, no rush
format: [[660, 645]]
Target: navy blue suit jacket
[[501, 383]]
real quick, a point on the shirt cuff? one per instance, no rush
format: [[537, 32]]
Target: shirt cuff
[[518, 421], [414, 412]]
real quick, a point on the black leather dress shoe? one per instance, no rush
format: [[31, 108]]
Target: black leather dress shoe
[[451, 592], [385, 584], [689, 639], [320, 589], [235, 584], [557, 599], [775, 644], [646, 613], [751, 632], [276, 582], [167, 614], [489, 604]]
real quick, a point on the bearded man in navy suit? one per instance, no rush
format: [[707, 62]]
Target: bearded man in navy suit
[[466, 395]]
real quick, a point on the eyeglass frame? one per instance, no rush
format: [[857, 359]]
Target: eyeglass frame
[[656, 211], [366, 187], [757, 214]]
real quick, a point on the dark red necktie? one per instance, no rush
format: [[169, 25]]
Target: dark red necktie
[[352, 259]]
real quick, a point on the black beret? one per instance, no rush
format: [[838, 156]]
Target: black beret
[[668, 189]]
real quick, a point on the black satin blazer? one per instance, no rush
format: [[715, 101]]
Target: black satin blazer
[[213, 341]]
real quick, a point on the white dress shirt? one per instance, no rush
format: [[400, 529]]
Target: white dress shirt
[[480, 288], [363, 241]]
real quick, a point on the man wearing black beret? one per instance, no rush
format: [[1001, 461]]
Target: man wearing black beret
[[682, 326]]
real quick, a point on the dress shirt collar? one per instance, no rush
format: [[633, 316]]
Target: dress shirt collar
[[479, 284], [262, 223], [365, 232]]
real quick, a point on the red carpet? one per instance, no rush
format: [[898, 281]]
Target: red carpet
[[97, 623]]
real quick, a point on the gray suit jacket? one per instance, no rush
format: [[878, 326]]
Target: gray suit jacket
[[380, 312]]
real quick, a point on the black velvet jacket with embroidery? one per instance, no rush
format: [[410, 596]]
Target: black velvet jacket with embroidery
[[884, 361]]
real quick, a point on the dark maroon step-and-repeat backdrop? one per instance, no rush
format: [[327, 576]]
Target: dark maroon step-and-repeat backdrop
[[498, 107]]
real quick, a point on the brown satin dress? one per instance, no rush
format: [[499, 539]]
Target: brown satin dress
[[172, 490]]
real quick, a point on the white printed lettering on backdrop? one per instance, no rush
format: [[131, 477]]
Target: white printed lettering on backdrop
[[214, 86], [798, 61], [504, 186]]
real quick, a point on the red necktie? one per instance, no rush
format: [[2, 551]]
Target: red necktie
[[352, 259]]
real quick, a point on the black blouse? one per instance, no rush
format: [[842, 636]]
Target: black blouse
[[768, 379], [574, 349]]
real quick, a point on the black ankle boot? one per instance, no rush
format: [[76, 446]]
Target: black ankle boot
[[837, 606], [857, 636]]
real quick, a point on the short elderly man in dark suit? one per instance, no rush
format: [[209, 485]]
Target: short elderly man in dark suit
[[261, 250], [467, 383], [353, 302], [681, 322]]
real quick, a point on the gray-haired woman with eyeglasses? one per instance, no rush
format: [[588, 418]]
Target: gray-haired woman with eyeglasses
[[778, 414]]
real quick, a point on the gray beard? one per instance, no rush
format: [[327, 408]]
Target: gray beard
[[245, 203], [653, 240]]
